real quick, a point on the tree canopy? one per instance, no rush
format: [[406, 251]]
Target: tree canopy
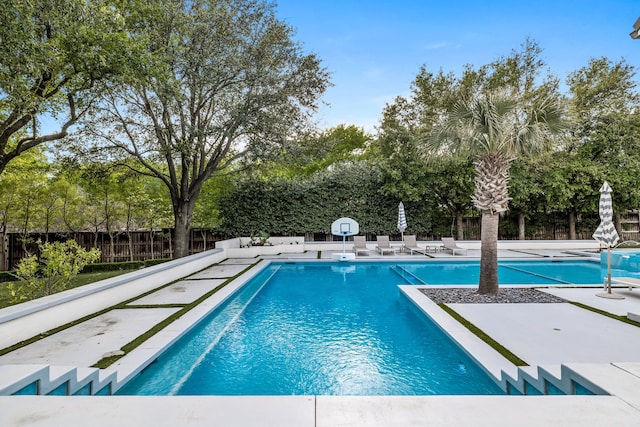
[[225, 80], [201, 117], [53, 55]]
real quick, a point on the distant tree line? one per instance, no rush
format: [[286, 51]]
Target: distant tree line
[[180, 115]]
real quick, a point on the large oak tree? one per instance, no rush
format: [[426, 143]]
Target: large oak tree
[[226, 79]]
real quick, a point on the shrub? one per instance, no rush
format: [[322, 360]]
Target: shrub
[[150, 262], [112, 266], [127, 265], [59, 263]]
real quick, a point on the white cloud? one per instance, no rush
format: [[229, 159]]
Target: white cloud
[[438, 45]]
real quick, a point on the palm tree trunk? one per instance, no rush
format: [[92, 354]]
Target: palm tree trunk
[[489, 254]]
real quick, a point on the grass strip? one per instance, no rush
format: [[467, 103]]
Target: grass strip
[[121, 305], [134, 306], [53, 331], [80, 320], [484, 337], [319, 255], [624, 319], [108, 361]]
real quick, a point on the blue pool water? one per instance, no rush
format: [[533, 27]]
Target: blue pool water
[[336, 329], [622, 260], [536, 272]]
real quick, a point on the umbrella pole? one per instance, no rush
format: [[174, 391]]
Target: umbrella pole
[[608, 293], [609, 269]]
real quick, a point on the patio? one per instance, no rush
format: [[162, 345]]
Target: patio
[[559, 339]]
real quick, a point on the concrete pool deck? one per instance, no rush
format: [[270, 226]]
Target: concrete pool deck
[[605, 351]]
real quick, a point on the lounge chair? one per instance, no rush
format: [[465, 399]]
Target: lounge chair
[[450, 245], [360, 245], [411, 245], [631, 282], [384, 246]]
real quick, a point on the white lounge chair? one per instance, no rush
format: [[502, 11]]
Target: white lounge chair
[[384, 246], [411, 245], [360, 245], [449, 244], [631, 282]]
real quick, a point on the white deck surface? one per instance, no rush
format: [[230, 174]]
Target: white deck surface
[[219, 271], [555, 333], [604, 350], [86, 343], [182, 292]]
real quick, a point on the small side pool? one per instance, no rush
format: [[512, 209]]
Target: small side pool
[[534, 272]]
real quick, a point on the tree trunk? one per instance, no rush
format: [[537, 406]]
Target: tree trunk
[[183, 216], [521, 226], [47, 226], [112, 247], [3, 251], [572, 225], [459, 226], [151, 235], [130, 237], [489, 254]]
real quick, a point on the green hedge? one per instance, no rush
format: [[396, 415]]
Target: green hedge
[[150, 262], [297, 206]]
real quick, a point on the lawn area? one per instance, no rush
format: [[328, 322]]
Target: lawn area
[[79, 280]]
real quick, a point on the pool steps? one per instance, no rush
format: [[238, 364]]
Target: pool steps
[[549, 380], [411, 278], [69, 381], [55, 380]]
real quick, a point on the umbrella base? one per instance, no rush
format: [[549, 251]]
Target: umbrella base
[[609, 295], [344, 256]]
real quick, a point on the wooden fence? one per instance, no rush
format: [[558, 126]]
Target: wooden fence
[[132, 246], [143, 245], [546, 227]]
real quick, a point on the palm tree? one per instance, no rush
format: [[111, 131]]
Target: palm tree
[[495, 128]]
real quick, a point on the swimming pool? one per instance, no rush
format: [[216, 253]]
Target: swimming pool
[[319, 328], [316, 329]]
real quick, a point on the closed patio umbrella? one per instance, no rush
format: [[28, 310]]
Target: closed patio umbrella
[[606, 233], [402, 220]]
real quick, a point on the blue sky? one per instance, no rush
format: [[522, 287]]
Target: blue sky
[[374, 49]]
